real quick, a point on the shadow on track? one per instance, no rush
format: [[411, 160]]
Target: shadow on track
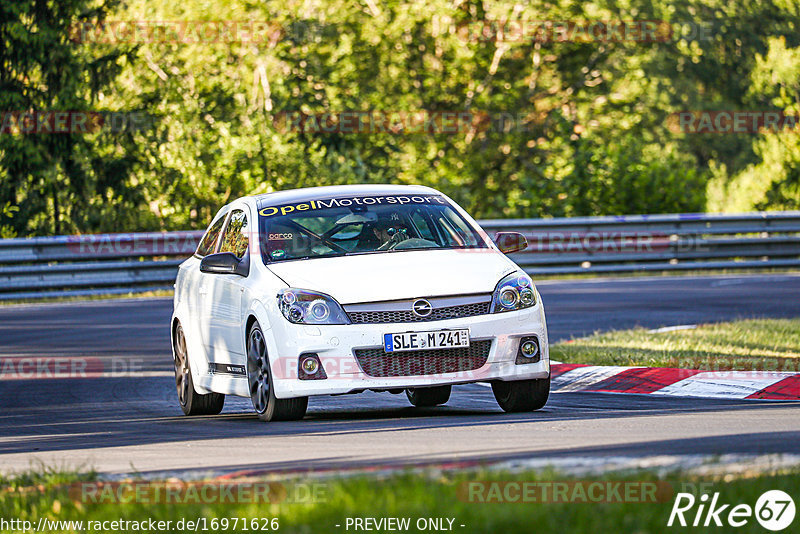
[[710, 446], [110, 412]]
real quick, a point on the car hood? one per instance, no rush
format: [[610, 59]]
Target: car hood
[[398, 275]]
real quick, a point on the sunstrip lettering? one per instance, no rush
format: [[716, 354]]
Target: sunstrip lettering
[[284, 210], [351, 201]]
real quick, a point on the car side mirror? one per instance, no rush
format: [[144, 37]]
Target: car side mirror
[[509, 242], [224, 263]]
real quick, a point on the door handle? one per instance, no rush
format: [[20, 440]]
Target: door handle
[[203, 290]]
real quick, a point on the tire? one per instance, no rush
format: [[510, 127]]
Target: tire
[[424, 397], [192, 402], [259, 379], [522, 395]]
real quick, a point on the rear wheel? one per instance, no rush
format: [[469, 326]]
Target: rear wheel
[[423, 397], [522, 395], [192, 403], [259, 378]]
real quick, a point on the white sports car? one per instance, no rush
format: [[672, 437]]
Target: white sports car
[[334, 290]]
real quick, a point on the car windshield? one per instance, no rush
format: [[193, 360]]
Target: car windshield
[[362, 225]]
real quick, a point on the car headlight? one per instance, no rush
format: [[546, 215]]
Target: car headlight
[[301, 306], [514, 292]]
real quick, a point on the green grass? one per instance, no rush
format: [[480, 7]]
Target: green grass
[[414, 496], [758, 344]]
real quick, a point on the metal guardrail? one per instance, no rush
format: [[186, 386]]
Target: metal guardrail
[[121, 263], [675, 242], [43, 267]]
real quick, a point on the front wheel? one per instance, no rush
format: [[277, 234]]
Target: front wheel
[[259, 378], [192, 402], [522, 395], [422, 397]]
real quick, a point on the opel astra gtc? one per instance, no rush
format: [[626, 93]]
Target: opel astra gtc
[[344, 289]]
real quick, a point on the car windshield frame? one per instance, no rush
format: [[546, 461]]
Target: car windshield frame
[[364, 216]]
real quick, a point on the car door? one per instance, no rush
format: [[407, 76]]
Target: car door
[[193, 282], [224, 293]]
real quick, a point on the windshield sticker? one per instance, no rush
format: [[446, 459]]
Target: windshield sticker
[[350, 202], [277, 254]]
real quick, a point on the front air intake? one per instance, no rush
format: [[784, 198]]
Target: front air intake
[[377, 363]]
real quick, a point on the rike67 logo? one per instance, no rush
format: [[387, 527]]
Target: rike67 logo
[[774, 510]]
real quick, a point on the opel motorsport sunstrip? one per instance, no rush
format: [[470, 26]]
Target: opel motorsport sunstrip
[[343, 289]]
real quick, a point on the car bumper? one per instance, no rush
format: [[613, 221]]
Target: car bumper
[[336, 345]]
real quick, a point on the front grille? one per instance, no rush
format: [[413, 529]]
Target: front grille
[[407, 316], [377, 363]]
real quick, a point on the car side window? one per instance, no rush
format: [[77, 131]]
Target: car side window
[[458, 231], [206, 246], [235, 239]]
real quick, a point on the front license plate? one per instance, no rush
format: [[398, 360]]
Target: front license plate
[[434, 339]]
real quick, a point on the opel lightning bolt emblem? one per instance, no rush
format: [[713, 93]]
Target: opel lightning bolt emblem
[[421, 308]]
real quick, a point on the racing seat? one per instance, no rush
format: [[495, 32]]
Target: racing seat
[[367, 240]]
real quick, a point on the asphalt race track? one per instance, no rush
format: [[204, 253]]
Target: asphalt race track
[[133, 423]]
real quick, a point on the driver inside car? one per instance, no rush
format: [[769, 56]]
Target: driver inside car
[[390, 232]]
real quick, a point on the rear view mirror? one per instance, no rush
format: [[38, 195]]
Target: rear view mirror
[[224, 263], [509, 242]]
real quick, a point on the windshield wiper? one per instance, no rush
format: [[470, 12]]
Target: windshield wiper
[[307, 257]]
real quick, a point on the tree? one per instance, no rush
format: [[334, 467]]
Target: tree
[[58, 180]]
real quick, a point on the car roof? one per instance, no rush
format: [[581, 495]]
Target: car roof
[[323, 193]]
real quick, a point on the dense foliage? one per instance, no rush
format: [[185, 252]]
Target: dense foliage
[[586, 132]]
